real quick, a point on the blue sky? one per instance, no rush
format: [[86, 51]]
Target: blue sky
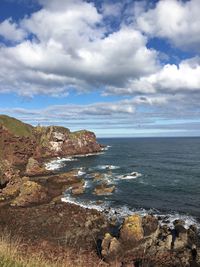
[[119, 68]]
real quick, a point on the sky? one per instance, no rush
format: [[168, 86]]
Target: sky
[[118, 68]]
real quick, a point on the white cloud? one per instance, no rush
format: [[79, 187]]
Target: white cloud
[[11, 31], [112, 9], [72, 49], [171, 78], [176, 20], [144, 114], [182, 78]]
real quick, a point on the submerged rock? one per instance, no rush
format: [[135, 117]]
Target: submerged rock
[[78, 189], [104, 189], [97, 176]]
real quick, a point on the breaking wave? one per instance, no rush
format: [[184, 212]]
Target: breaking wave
[[129, 176], [106, 167], [57, 163], [120, 213]]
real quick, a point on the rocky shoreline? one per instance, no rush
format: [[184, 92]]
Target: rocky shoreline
[[31, 207]]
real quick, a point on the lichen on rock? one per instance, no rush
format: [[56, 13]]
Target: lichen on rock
[[30, 193], [132, 230]]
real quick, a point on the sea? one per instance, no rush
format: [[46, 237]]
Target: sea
[[159, 176]]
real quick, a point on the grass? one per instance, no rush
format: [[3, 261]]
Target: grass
[[11, 256], [15, 126]]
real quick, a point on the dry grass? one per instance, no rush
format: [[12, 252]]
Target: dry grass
[[11, 256]]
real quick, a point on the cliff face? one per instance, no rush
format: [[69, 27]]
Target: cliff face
[[20, 141]]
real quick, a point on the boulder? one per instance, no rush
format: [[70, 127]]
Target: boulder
[[192, 235], [165, 243], [111, 248], [7, 173], [104, 189], [31, 193], [10, 181], [149, 224], [33, 168], [132, 231], [68, 178], [97, 176], [78, 190]]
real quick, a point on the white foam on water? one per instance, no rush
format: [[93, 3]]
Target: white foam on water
[[129, 176], [57, 163], [87, 184], [106, 167], [121, 212], [105, 148], [170, 218], [109, 178], [85, 205], [81, 173], [88, 155]]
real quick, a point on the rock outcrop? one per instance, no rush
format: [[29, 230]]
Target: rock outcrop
[[104, 189], [9, 177], [132, 231], [33, 168], [20, 141], [143, 242], [30, 193]]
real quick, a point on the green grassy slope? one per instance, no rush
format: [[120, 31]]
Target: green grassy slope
[[15, 126]]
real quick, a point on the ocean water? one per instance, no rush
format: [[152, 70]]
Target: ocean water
[[151, 175]]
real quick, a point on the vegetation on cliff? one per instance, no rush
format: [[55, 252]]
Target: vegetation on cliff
[[16, 127], [20, 141]]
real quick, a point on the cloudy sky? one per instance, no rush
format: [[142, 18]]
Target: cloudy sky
[[118, 68]]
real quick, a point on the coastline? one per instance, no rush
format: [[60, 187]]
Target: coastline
[[41, 205]]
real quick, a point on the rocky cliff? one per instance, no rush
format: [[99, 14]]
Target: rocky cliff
[[20, 141]]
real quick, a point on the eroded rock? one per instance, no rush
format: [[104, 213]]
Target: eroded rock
[[104, 189], [132, 230], [31, 193], [111, 248], [33, 168]]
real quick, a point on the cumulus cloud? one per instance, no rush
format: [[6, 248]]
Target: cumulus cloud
[[72, 45], [177, 21], [171, 78], [11, 31], [71, 48]]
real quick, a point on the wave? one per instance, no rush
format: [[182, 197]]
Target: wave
[[170, 218], [106, 167], [105, 148], [88, 155], [119, 213], [81, 171], [85, 205], [57, 163], [129, 176], [87, 184]]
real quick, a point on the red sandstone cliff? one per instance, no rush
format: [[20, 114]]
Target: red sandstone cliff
[[19, 141]]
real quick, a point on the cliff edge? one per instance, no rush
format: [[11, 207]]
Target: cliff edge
[[20, 141]]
